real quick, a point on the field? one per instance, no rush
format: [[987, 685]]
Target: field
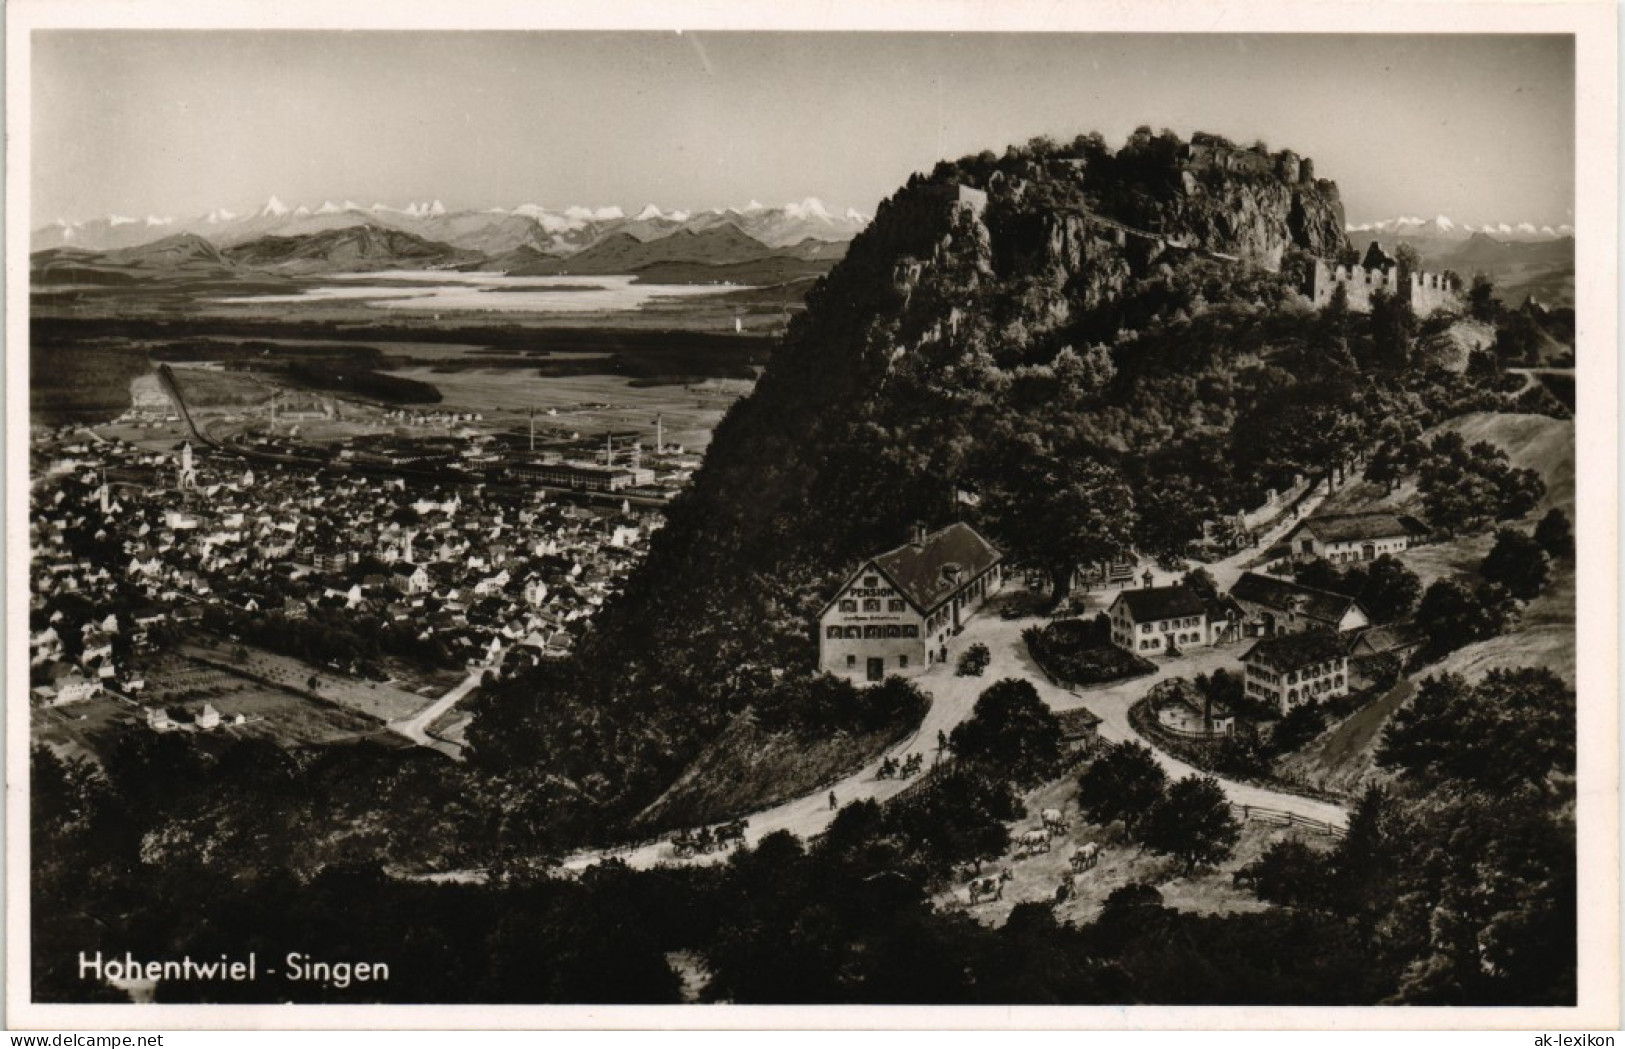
[[82, 730], [1534, 442], [690, 412], [1122, 862], [176, 682], [376, 700]]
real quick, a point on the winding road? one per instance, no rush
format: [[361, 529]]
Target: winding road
[[953, 698]]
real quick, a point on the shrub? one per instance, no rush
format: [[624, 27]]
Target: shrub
[[1081, 653]]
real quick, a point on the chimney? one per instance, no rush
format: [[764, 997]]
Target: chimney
[[919, 534]]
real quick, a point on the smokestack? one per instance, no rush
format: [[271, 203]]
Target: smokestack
[[660, 433]]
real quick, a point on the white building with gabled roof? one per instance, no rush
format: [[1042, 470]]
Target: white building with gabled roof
[[895, 614]]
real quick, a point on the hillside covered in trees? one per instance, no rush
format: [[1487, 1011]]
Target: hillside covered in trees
[[1103, 349]]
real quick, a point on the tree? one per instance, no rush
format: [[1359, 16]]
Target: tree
[[1517, 562], [1452, 615], [1409, 259], [1202, 582], [1513, 729], [1011, 730], [1481, 299], [1053, 506], [1122, 784], [1390, 591], [1289, 873], [1300, 725], [1393, 326], [1555, 534], [1192, 823]]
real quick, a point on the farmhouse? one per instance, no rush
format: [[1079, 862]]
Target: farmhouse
[[896, 612], [1353, 537], [1294, 669], [1159, 619], [1272, 606]]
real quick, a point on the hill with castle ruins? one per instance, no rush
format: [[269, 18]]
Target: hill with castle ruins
[[1142, 319]]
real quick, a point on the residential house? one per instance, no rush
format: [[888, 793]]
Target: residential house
[[1272, 605], [1159, 619], [1288, 670], [1344, 538]]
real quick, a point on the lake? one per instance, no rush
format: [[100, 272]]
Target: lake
[[435, 290]]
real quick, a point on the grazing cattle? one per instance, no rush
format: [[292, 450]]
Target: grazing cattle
[[1067, 889], [1035, 841], [1054, 820], [991, 886], [1084, 857]]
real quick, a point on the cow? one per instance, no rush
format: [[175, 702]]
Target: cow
[[1067, 889], [1084, 857], [991, 886], [1054, 820], [1035, 841]]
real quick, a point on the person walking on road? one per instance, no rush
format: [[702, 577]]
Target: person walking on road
[[832, 801]]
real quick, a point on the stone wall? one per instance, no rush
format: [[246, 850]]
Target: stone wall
[[1426, 292]]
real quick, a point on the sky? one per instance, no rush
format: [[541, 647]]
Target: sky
[[176, 123]]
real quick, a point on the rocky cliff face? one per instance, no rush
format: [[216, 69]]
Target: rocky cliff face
[[989, 265]]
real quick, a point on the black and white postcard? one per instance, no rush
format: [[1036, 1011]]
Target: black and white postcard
[[859, 507]]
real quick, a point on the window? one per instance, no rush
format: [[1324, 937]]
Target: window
[[834, 633], [902, 661], [871, 633], [911, 631], [871, 604], [849, 606], [1338, 681], [1145, 628], [896, 605], [851, 661], [854, 633], [870, 582], [894, 631]]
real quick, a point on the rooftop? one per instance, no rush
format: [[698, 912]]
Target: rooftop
[[1343, 528], [930, 570], [1291, 651], [1162, 602], [1286, 595]]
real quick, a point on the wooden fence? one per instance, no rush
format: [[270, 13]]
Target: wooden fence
[[1282, 818]]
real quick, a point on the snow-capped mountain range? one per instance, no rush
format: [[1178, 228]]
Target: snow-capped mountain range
[[549, 231], [1442, 226]]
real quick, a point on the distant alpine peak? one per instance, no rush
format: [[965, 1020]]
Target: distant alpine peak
[[649, 211], [154, 220], [753, 206], [218, 216], [1444, 226], [120, 220], [854, 215], [274, 208], [810, 208]]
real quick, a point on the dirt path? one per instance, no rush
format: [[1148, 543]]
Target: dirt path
[[413, 728]]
